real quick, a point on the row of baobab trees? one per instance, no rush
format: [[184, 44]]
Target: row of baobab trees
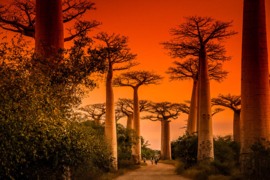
[[164, 112], [199, 39]]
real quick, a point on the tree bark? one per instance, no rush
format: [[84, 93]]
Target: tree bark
[[167, 140], [137, 126], [162, 144], [110, 123], [236, 126], [49, 31], [192, 117], [130, 121], [205, 132], [255, 78]]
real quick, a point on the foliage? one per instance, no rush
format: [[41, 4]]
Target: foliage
[[146, 152], [125, 141], [259, 163], [226, 150], [39, 137], [185, 149], [226, 157]]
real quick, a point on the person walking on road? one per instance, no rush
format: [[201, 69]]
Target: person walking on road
[[156, 160], [152, 159]]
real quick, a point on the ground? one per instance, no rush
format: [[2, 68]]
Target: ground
[[153, 172]]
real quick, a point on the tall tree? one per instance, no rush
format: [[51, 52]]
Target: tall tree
[[194, 38], [20, 16], [115, 51], [126, 107], [135, 79], [189, 70], [255, 78], [164, 112], [234, 103]]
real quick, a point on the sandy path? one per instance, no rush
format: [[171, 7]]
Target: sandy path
[[153, 172]]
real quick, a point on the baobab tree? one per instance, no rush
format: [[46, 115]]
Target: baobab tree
[[189, 70], [126, 107], [234, 103], [135, 79], [194, 38], [164, 112], [21, 16], [114, 50], [255, 79], [95, 111]]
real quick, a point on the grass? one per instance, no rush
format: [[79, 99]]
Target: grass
[[172, 162], [205, 171], [121, 171]]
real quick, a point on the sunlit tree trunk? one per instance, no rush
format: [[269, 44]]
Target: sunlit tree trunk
[[137, 126], [205, 132], [49, 34], [236, 126], [130, 121], [162, 144], [110, 124], [255, 78], [192, 117], [167, 138], [165, 152]]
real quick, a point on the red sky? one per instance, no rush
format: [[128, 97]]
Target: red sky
[[147, 23]]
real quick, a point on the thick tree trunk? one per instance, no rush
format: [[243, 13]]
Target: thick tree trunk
[[130, 121], [137, 126], [165, 152], [167, 140], [236, 126], [255, 78], [110, 123], [162, 144], [192, 117], [205, 132], [49, 32]]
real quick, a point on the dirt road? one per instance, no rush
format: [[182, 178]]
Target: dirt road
[[153, 172]]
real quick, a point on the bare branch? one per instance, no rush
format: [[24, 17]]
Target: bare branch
[[137, 78], [230, 101], [189, 70]]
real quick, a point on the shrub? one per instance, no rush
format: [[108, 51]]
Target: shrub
[[185, 149], [257, 167]]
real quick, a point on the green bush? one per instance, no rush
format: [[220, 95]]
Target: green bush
[[39, 139], [185, 149], [146, 152], [226, 150], [258, 165], [221, 168], [125, 141]]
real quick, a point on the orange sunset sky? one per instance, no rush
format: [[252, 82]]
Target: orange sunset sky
[[147, 23]]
